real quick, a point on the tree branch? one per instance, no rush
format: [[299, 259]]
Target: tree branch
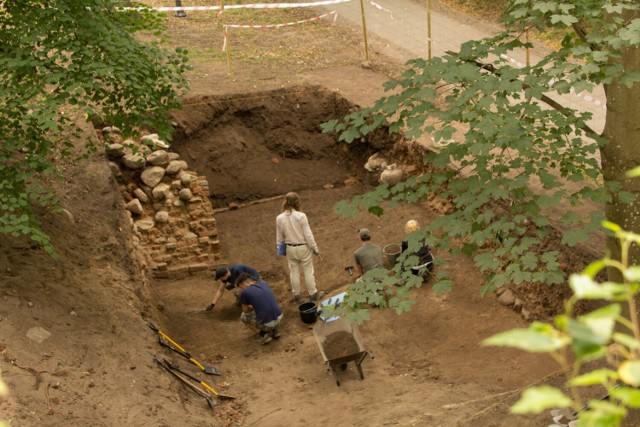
[[544, 98]]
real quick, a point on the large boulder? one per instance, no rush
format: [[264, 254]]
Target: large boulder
[[176, 166], [158, 158], [134, 206], [154, 142], [152, 176], [160, 191], [391, 175], [134, 161], [376, 163]]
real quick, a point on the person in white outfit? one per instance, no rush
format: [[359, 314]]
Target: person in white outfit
[[292, 228]]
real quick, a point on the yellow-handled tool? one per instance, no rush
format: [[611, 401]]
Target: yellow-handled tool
[[202, 383], [164, 340]]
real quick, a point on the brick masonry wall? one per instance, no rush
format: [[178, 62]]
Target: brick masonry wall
[[171, 214]]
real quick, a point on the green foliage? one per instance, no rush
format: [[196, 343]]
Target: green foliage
[[601, 334], [60, 59], [505, 138]]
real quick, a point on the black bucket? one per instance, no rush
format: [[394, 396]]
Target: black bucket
[[308, 312]]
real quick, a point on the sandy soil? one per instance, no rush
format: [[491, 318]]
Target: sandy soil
[[425, 368]]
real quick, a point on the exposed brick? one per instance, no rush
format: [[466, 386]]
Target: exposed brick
[[162, 266], [204, 258], [203, 240], [155, 256], [179, 271], [198, 267], [167, 258], [161, 274], [208, 222], [171, 246], [208, 233]]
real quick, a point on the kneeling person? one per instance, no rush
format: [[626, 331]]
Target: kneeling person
[[260, 310]]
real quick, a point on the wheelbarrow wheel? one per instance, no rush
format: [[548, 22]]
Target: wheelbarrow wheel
[[343, 366]]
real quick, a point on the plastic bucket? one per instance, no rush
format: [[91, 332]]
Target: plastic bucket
[[391, 253], [308, 312]]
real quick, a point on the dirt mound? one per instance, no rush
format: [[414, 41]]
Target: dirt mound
[[254, 146]]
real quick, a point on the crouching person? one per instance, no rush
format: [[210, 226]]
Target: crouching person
[[260, 310]]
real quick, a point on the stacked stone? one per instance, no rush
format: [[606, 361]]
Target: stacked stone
[[171, 215]]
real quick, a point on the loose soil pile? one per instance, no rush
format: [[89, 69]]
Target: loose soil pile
[[340, 344]]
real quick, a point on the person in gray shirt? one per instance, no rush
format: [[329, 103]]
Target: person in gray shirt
[[369, 255]]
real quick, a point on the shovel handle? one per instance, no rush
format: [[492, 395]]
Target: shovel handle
[[166, 337], [195, 362], [202, 383], [175, 344]]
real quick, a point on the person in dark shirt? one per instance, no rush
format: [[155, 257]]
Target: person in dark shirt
[[228, 277], [260, 309], [425, 258]]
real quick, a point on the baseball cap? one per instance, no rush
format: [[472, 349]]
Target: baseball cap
[[221, 272], [364, 233]]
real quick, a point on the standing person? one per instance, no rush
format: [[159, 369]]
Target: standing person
[[425, 258], [369, 255], [228, 277], [260, 310], [292, 228]]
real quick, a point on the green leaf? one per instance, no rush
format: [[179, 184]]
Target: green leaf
[[628, 341], [537, 399], [584, 287], [598, 376], [539, 338], [634, 173], [628, 396], [573, 237], [632, 273], [629, 372], [443, 287]]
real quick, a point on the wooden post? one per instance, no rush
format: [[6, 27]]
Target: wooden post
[[429, 29], [528, 56], [180, 13], [364, 29], [226, 35]]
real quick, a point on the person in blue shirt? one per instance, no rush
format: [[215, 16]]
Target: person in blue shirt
[[228, 277], [260, 310]]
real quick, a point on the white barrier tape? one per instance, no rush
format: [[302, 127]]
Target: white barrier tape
[[315, 18], [287, 24], [237, 6], [582, 95], [377, 6]]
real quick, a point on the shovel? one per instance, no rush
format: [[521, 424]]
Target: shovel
[[202, 383], [163, 339], [186, 382]]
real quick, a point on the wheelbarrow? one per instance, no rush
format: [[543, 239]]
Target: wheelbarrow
[[340, 343]]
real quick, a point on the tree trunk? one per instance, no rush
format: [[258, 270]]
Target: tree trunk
[[622, 153]]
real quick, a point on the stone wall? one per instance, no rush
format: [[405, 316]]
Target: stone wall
[[171, 214]]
